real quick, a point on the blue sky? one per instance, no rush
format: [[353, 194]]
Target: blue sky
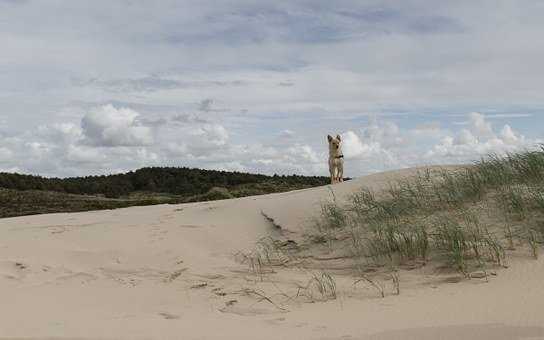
[[103, 87]]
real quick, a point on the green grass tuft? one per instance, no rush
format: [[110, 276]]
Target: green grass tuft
[[465, 217]]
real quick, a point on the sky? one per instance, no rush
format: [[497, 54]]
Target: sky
[[100, 87]]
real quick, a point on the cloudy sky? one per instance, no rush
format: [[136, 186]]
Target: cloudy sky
[[97, 87]]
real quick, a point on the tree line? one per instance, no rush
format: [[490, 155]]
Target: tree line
[[173, 180]]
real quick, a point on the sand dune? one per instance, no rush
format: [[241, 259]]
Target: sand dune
[[173, 272]]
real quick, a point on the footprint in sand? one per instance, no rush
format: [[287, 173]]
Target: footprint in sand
[[219, 291], [13, 270], [174, 275], [169, 316], [245, 311], [20, 265], [277, 321], [80, 277], [233, 307], [190, 226], [133, 277]]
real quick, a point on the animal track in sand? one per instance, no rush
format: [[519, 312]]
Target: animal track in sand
[[199, 285], [80, 277], [174, 275], [211, 276], [232, 307], [169, 316], [219, 291], [57, 228], [190, 226], [20, 265], [133, 277], [276, 321], [13, 270], [157, 233], [40, 274], [165, 218]]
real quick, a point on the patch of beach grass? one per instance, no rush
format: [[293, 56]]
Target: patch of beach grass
[[464, 218]]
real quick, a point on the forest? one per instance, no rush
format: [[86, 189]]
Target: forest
[[177, 181], [22, 194]]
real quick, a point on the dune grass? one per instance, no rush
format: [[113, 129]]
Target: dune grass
[[466, 218]]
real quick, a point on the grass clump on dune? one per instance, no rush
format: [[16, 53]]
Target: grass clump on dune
[[465, 218]]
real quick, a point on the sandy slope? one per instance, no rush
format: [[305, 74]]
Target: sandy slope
[[169, 272]]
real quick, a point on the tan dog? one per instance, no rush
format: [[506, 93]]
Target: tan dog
[[336, 159]]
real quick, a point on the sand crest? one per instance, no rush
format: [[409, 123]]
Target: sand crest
[[173, 272]]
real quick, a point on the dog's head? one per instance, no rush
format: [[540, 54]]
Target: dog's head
[[334, 144]]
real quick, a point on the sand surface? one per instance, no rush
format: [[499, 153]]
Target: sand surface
[[174, 272]]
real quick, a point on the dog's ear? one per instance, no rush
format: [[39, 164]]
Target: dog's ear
[[338, 137], [329, 137]]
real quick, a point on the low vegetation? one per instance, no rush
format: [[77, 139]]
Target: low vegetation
[[184, 182], [30, 202], [27, 194], [467, 218]]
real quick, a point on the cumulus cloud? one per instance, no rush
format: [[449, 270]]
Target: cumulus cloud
[[61, 133], [510, 137], [480, 126], [84, 154], [386, 133], [111, 139], [297, 158], [110, 126], [208, 137], [196, 139], [352, 146], [365, 151], [457, 57], [303, 153], [480, 139]]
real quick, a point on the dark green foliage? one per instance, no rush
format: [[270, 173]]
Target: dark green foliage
[[177, 181], [27, 194], [215, 193], [30, 202]]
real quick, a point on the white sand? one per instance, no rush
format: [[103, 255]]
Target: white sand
[[169, 272]]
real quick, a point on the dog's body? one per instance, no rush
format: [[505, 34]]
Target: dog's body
[[336, 159]]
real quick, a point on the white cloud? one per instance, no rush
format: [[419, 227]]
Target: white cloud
[[301, 154], [387, 133], [84, 154], [480, 126], [212, 134], [353, 147], [510, 137], [61, 133], [198, 140], [464, 137], [110, 126], [64, 149], [365, 153], [233, 64], [479, 140]]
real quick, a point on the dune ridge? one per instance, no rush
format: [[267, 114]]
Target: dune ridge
[[176, 271]]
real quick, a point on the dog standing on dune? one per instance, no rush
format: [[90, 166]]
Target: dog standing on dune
[[336, 159]]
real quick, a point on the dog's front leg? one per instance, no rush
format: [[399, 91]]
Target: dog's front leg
[[333, 173], [340, 172]]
